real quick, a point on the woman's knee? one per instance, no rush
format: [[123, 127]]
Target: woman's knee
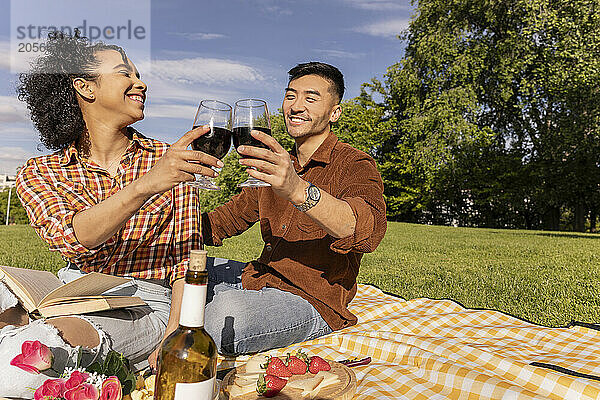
[[15, 315], [76, 331]]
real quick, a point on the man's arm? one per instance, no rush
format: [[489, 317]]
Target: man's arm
[[335, 216], [230, 219]]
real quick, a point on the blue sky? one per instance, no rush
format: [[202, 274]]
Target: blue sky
[[226, 49]]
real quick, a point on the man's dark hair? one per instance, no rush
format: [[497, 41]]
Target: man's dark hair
[[326, 71], [47, 87]]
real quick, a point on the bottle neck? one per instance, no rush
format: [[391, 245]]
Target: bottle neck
[[192, 304]]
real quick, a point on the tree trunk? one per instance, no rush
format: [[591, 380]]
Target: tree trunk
[[593, 217], [580, 213], [552, 219]]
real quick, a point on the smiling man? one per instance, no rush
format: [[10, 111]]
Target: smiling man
[[324, 209]]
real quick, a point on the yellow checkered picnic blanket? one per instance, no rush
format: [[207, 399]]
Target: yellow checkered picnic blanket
[[435, 349]]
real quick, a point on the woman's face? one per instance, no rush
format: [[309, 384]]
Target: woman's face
[[119, 94]]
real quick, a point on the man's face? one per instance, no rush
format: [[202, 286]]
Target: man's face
[[309, 106]]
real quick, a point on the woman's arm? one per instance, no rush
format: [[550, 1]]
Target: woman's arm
[[173, 323], [97, 224]]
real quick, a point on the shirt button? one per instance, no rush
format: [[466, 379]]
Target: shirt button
[[282, 226], [269, 248]]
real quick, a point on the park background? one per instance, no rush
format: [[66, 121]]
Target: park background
[[485, 128]]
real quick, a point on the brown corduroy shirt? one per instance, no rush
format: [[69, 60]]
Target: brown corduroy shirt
[[299, 256]]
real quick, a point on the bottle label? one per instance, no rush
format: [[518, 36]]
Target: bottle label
[[197, 391], [192, 306]]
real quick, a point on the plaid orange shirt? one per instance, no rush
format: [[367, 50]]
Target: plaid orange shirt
[[155, 241]]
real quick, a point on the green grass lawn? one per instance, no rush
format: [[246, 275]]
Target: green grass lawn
[[544, 277]]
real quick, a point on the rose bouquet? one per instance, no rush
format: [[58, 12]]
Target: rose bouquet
[[111, 379]]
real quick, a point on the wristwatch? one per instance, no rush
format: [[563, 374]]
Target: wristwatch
[[313, 195]]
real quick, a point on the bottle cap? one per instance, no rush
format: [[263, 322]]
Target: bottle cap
[[198, 260]]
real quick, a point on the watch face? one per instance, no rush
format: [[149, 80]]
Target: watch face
[[314, 193]]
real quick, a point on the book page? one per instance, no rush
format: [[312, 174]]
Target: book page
[[83, 305], [30, 285], [92, 284]]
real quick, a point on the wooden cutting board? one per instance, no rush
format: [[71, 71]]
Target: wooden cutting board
[[344, 390]]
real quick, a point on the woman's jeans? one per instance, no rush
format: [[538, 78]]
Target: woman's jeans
[[133, 331], [240, 321]]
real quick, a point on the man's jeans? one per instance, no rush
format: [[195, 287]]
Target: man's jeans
[[250, 321], [240, 321]]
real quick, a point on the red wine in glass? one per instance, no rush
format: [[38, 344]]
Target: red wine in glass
[[242, 136], [215, 142], [250, 115]]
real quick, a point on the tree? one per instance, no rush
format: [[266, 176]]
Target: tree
[[17, 212], [494, 102]]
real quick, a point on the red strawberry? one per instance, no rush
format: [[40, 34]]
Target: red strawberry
[[318, 364], [296, 365], [276, 366], [269, 385]]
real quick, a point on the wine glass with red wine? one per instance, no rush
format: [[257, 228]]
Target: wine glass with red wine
[[217, 141], [250, 115]]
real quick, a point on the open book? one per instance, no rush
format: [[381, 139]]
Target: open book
[[42, 294]]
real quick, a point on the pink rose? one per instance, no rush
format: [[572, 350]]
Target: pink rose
[[111, 389], [52, 388], [34, 357], [85, 391], [76, 379]]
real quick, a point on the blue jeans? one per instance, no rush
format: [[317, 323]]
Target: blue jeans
[[250, 321], [134, 331]]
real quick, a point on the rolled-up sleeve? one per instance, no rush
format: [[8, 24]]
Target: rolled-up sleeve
[[232, 218], [362, 189], [50, 214]]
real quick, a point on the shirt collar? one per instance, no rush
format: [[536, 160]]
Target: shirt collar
[[323, 152], [71, 155]]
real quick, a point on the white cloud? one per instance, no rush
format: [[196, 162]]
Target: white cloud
[[171, 111], [198, 35], [275, 7], [339, 53], [12, 157], [5, 55], [12, 110], [210, 71], [21, 61], [18, 132], [176, 86], [388, 28], [380, 5]]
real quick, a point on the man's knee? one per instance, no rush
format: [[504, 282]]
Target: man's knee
[[227, 320]]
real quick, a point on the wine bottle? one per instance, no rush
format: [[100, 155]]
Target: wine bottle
[[187, 362]]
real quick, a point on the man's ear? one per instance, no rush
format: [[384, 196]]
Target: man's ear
[[84, 88], [335, 113]]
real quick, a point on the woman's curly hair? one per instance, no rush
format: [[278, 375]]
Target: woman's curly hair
[[47, 87]]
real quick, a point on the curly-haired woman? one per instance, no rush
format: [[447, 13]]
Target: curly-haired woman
[[109, 200]]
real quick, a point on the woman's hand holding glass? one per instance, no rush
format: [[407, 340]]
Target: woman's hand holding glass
[[179, 164], [216, 142]]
